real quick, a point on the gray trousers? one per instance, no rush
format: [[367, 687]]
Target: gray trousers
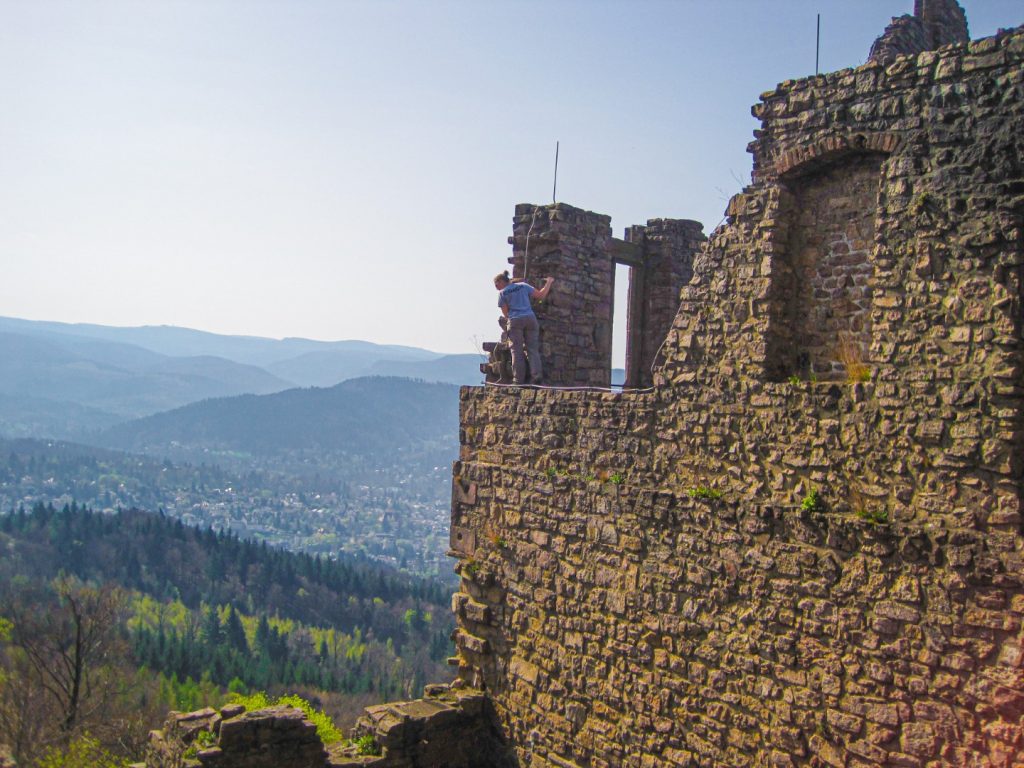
[[524, 332]]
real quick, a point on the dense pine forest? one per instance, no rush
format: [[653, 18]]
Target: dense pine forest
[[194, 613]]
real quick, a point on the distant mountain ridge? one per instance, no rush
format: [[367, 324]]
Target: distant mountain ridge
[[367, 419], [175, 341], [70, 379], [120, 379]]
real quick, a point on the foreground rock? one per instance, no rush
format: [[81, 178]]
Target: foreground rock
[[449, 727]]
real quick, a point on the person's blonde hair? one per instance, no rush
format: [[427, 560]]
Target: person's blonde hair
[[504, 276]]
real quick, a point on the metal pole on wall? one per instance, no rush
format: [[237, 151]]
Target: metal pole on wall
[[554, 189], [817, 45]]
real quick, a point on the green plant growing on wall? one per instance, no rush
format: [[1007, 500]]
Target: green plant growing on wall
[[812, 502], [206, 739], [878, 516], [704, 492], [617, 478], [203, 740], [795, 380], [866, 511], [367, 745], [471, 567], [551, 472], [920, 204], [325, 727]]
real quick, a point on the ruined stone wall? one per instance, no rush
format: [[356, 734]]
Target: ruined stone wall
[[450, 727], [935, 23], [576, 248], [669, 246], [624, 625], [823, 301], [275, 737], [576, 320], [647, 579]]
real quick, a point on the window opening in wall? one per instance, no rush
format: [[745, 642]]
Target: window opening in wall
[[620, 315]]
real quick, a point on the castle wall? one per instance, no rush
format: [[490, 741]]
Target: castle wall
[[577, 249], [825, 298], [669, 246], [935, 23], [646, 580], [570, 245]]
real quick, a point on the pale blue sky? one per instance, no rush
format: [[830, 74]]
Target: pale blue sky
[[349, 169]]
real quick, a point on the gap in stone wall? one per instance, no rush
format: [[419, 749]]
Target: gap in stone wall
[[620, 319]]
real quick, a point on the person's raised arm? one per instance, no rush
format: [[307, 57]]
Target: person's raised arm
[[542, 293]]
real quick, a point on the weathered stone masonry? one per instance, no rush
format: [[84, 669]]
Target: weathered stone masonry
[[576, 247], [935, 23], [617, 614]]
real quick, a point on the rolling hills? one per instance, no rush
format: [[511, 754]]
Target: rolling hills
[[367, 416], [66, 381]]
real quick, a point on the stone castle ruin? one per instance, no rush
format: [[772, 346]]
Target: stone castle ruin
[[577, 248], [803, 545], [799, 540]]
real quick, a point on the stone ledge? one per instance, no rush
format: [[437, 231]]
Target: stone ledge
[[451, 726], [275, 737]]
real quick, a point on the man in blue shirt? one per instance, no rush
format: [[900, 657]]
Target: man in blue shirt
[[514, 299]]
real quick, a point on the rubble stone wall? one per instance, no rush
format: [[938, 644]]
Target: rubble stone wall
[[823, 301], [669, 246], [577, 249], [275, 737], [935, 23], [570, 245], [648, 579], [450, 727]]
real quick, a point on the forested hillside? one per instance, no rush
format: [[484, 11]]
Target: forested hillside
[[206, 611], [169, 561], [358, 424]]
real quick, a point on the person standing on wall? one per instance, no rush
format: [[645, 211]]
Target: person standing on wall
[[523, 329]]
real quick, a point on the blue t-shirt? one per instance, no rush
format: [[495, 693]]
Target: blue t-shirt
[[516, 296]]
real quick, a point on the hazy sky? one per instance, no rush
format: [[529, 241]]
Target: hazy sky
[[349, 169]]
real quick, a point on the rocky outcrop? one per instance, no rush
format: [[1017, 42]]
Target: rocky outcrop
[[451, 727], [275, 737]]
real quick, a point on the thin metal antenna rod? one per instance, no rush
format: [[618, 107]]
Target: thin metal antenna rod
[[817, 45], [554, 189]]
